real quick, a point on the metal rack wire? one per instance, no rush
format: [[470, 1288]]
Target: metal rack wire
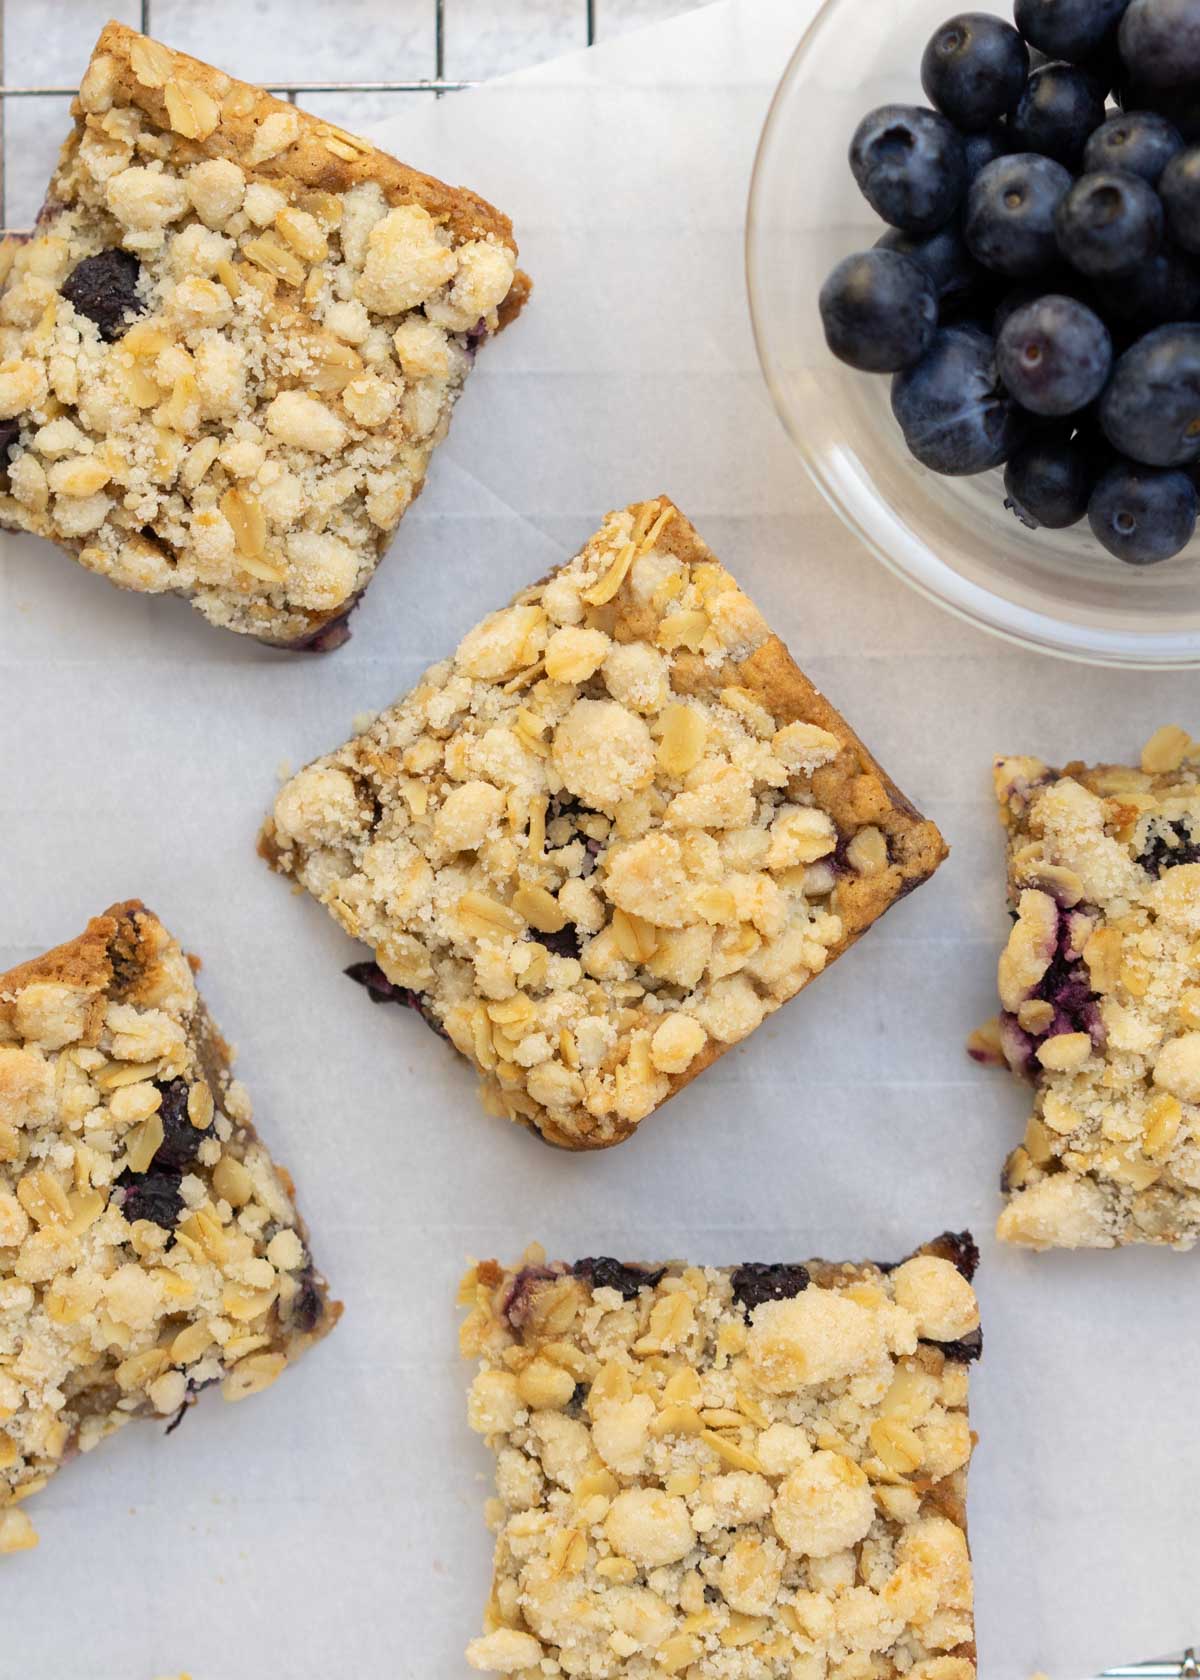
[[437, 84], [1185, 1667]]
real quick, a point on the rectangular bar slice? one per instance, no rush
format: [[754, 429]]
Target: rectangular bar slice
[[233, 342], [149, 1246], [1100, 988], [608, 837], [747, 1474]]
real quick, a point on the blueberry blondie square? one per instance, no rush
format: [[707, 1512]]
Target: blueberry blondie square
[[149, 1246], [1100, 993], [606, 838], [747, 1474], [233, 342]]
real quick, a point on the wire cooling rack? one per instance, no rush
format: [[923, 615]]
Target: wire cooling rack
[[436, 84], [1185, 1667]]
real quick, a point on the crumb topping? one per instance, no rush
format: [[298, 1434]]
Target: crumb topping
[[1100, 988], [233, 342], [609, 836], [148, 1244], [697, 1478]]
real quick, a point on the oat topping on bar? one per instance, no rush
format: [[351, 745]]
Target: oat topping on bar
[[149, 1246], [233, 343], [1100, 988], [608, 837], [696, 1481]]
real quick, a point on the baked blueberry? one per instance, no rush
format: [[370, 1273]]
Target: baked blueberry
[[181, 1140], [1077, 30], [1011, 208], [1160, 42], [1048, 483], [974, 68], [944, 257], [1054, 355], [956, 417], [1167, 288], [1180, 191], [1057, 112], [984, 148], [602, 1272], [380, 989], [105, 289], [151, 1195], [910, 166], [1135, 143], [1109, 223], [879, 310], [754, 1283], [1143, 515], [1151, 409]]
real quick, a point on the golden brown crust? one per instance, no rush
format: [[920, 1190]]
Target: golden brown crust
[[308, 161]]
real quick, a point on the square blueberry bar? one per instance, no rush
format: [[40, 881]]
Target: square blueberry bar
[[608, 837], [1100, 994], [748, 1474], [149, 1246], [233, 342]]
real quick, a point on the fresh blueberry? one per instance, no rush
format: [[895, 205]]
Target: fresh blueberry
[[1167, 288], [1057, 112], [1151, 409], [910, 166], [754, 1283], [1135, 143], [1169, 844], [944, 257], [380, 989], [984, 148], [974, 69], [1049, 482], [1160, 42], [1054, 355], [1078, 30], [879, 310], [602, 1272], [1142, 515], [955, 416], [151, 1195], [104, 288], [1108, 224], [181, 1139], [1010, 214], [1180, 190]]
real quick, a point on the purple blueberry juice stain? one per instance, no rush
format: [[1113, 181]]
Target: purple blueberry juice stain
[[602, 1272], [181, 1139], [1067, 987], [519, 1301], [380, 989]]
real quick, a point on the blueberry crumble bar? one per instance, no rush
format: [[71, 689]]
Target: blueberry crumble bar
[[149, 1246], [607, 837], [747, 1474], [233, 342], [1100, 994]]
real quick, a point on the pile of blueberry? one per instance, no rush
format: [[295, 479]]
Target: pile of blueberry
[[1037, 295]]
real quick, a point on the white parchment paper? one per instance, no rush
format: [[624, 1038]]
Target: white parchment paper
[[332, 1526]]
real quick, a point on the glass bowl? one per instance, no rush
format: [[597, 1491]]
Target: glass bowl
[[952, 539]]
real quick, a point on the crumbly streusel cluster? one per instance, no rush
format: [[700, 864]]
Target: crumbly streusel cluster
[[1100, 984], [749, 1474], [233, 343], [148, 1245], [608, 837]]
